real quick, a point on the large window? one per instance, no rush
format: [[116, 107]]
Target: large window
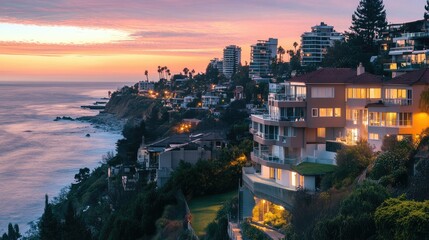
[[321, 132], [374, 136], [322, 92], [326, 112], [356, 93], [374, 92], [391, 119], [394, 93], [361, 93], [405, 119], [398, 96]]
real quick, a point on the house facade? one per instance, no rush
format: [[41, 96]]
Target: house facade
[[159, 159], [311, 116]]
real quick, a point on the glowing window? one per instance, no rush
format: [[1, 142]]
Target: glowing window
[[337, 112], [321, 132]]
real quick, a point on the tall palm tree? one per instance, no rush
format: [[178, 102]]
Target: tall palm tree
[[281, 51], [146, 73], [295, 44], [185, 71], [159, 72]]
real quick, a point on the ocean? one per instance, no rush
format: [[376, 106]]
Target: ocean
[[40, 156]]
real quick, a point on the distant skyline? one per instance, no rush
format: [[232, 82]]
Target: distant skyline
[[109, 40]]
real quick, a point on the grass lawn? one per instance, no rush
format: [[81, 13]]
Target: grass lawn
[[307, 168], [204, 210]]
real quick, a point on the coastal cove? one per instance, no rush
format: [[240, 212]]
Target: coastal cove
[[40, 156]]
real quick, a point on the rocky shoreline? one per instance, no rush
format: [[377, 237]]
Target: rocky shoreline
[[104, 121]]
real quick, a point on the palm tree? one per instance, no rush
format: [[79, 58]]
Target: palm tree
[[159, 72], [281, 51], [185, 71], [168, 73], [146, 73], [295, 44]]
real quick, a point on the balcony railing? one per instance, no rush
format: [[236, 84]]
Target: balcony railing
[[267, 136], [281, 118], [290, 98], [398, 101], [268, 157], [405, 48], [404, 66]]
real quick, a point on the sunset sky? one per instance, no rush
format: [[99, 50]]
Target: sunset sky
[[110, 40]]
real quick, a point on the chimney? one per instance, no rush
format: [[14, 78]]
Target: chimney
[[360, 69]]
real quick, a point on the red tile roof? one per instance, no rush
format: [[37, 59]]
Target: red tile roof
[[337, 76], [419, 77]]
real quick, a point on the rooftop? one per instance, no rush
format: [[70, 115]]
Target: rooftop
[[419, 77], [308, 168], [338, 76]]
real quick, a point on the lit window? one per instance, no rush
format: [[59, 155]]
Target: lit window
[[374, 136], [279, 174], [326, 112], [337, 112], [314, 112], [272, 173], [391, 119], [375, 93], [293, 179], [321, 132]]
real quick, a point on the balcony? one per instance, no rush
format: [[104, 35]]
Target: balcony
[[403, 48], [290, 98], [398, 101], [268, 189], [267, 159], [404, 66], [282, 121]]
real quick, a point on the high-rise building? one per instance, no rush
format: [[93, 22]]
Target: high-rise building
[[231, 60], [314, 44], [261, 56]]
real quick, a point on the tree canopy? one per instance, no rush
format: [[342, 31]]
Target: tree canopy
[[368, 21]]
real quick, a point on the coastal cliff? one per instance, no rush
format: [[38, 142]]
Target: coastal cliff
[[130, 106]]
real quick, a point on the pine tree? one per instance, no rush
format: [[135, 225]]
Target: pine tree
[[73, 228], [368, 21], [426, 15], [49, 225]]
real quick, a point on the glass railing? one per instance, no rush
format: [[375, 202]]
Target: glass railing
[[405, 48], [281, 118], [266, 156], [290, 98], [398, 101]]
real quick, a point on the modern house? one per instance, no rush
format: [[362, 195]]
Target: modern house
[[311, 116], [261, 56], [231, 60], [145, 87], [407, 46], [160, 158], [314, 44]]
